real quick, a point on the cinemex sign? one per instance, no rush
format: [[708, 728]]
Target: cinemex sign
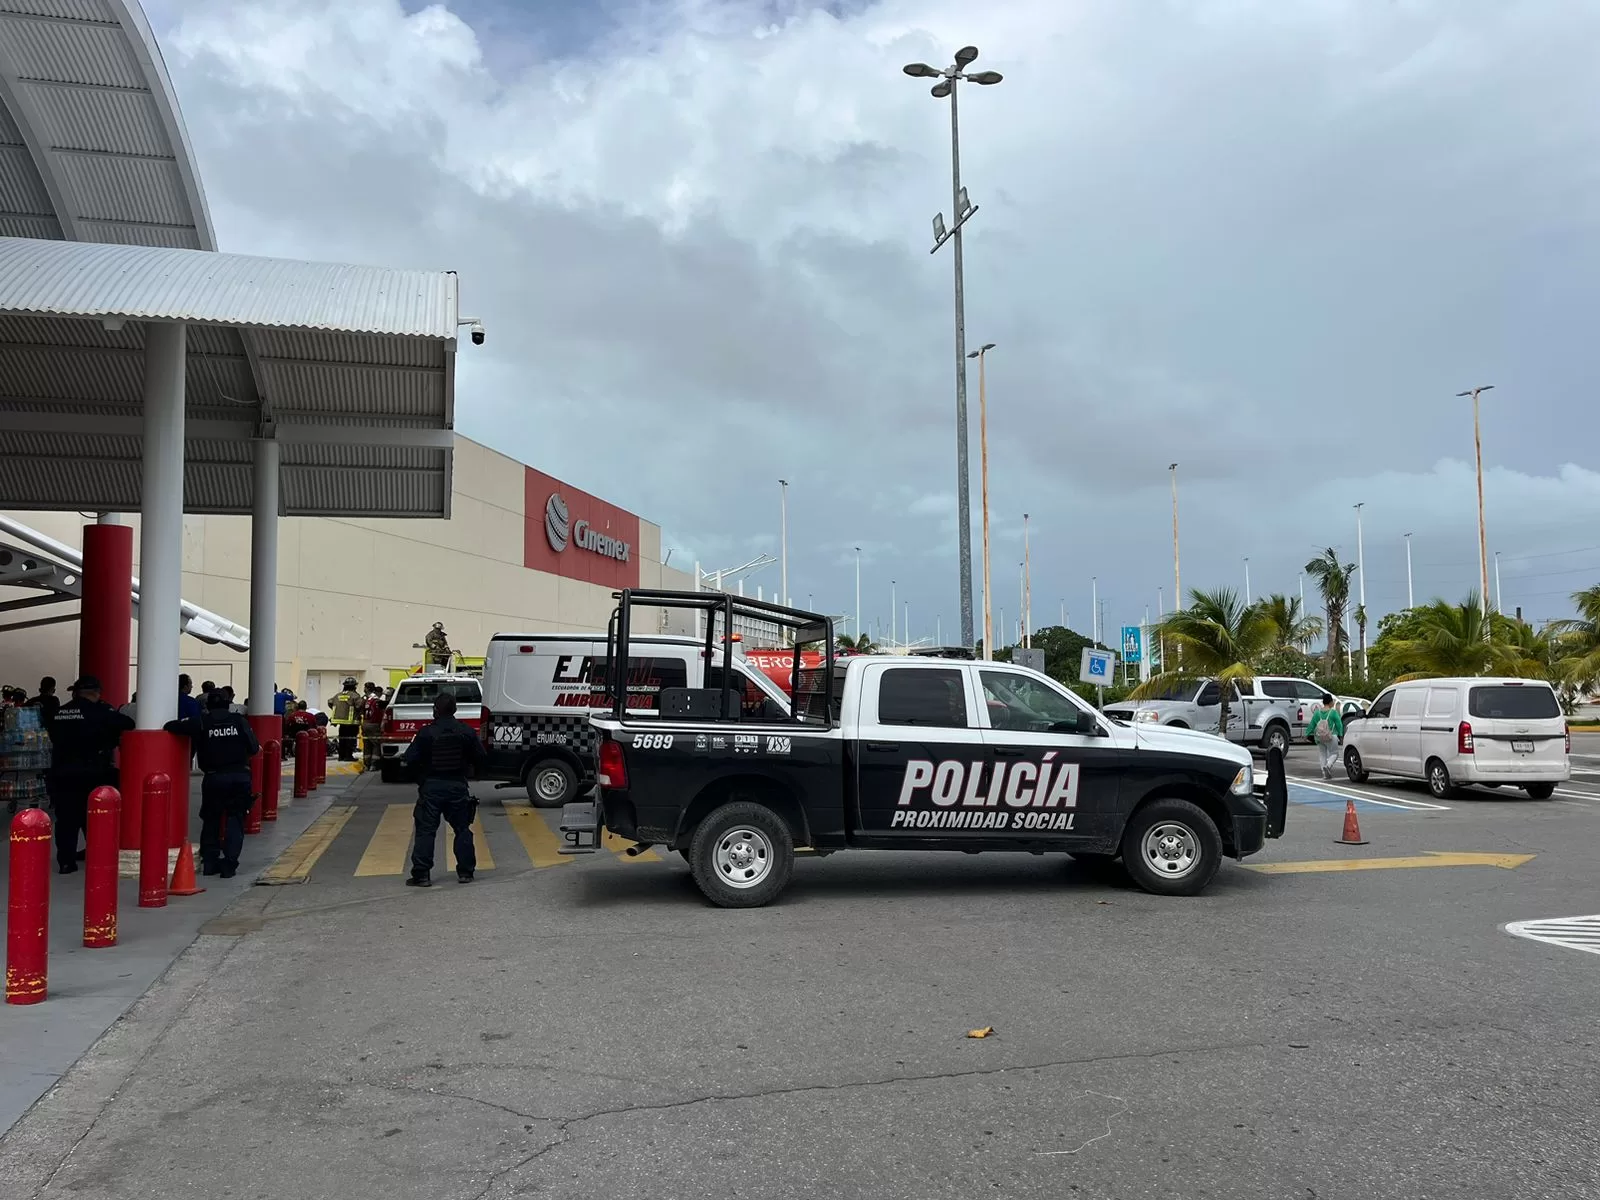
[[561, 531]]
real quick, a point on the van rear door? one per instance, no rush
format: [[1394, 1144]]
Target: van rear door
[[1517, 728]]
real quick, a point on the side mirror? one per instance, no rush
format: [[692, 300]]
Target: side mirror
[[1084, 723]]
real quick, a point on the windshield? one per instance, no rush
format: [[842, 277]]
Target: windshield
[[1514, 703]]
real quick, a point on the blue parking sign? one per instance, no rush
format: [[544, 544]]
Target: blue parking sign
[[1096, 666]]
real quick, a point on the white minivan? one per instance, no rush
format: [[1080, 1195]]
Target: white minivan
[[539, 690], [1450, 732]]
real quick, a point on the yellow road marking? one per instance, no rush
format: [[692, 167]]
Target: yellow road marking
[[1429, 858], [480, 844], [617, 845], [294, 864], [537, 838], [386, 850]]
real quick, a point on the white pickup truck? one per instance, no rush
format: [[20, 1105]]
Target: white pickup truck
[[1265, 712], [412, 708]]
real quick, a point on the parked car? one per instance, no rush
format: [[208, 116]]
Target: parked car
[[1256, 717], [1490, 732], [412, 708]]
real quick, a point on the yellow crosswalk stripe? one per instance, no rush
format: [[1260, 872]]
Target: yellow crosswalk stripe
[[386, 849], [617, 845], [480, 845], [294, 864], [536, 836]]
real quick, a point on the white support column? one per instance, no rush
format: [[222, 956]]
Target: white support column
[[264, 578], [161, 525]]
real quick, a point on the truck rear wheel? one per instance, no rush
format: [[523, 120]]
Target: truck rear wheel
[[1277, 738], [551, 783], [742, 855], [1171, 848]]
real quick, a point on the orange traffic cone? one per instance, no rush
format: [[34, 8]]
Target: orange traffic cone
[[1352, 828], [183, 874]]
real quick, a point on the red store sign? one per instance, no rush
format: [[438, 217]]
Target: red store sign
[[570, 533]]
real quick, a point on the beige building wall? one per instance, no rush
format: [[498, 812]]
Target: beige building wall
[[355, 595]]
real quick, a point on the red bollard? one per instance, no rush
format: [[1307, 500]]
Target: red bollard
[[153, 853], [100, 868], [28, 919], [258, 771], [302, 764], [319, 759], [271, 781]]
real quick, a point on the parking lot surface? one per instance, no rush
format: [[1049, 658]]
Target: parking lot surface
[[592, 1027]]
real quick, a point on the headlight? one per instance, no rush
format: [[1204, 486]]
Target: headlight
[[1147, 716], [1244, 783]]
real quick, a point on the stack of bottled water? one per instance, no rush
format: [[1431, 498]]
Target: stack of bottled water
[[24, 758]]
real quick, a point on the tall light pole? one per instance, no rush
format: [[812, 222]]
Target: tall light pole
[[894, 609], [1483, 537], [858, 594], [983, 488], [961, 209], [1027, 587], [783, 542], [1022, 604], [1499, 596], [1094, 608], [1247, 580], [1411, 601], [1361, 580], [1302, 592], [1177, 578]]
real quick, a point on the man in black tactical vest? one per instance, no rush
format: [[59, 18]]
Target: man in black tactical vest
[[224, 743], [443, 754], [83, 734]]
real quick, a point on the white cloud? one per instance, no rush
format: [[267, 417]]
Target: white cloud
[[1267, 241]]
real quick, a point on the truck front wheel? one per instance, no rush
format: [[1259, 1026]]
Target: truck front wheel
[[551, 783], [1171, 848], [742, 855]]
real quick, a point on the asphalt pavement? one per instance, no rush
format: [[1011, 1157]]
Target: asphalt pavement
[[593, 1028]]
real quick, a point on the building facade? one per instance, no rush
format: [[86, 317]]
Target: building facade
[[521, 552]]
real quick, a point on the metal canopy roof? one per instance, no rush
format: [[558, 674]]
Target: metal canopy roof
[[353, 367], [353, 373]]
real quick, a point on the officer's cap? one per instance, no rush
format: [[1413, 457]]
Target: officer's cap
[[87, 683]]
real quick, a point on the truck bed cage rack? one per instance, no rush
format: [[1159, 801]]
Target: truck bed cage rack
[[806, 628]]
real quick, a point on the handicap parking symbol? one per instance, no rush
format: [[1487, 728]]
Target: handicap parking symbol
[[1097, 666]]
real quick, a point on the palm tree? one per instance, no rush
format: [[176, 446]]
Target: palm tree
[[1333, 581], [1361, 630], [1292, 628], [1218, 637], [861, 643], [1578, 641], [1447, 639]]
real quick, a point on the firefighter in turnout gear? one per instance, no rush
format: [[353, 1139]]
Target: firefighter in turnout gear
[[224, 744], [437, 643], [344, 714], [83, 734], [443, 754], [372, 710]]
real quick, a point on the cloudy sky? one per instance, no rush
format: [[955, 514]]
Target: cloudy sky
[[1267, 241]]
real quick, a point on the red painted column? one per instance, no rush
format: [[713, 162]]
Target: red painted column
[[271, 780], [100, 870], [105, 627], [28, 913], [140, 754]]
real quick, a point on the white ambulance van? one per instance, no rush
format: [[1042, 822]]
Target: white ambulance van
[[540, 688]]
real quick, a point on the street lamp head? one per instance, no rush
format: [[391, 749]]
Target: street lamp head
[[1488, 387], [965, 55], [987, 346], [940, 90], [920, 70], [985, 77]]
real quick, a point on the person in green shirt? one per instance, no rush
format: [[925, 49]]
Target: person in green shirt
[[1326, 729]]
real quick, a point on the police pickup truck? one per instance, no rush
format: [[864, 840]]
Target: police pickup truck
[[888, 753]]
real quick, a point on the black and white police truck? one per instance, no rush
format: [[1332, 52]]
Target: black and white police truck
[[539, 690], [912, 753]]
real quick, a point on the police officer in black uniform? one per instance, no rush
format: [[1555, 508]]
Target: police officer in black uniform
[[443, 753], [224, 743], [83, 735]]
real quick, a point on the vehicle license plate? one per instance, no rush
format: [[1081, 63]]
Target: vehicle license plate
[[1522, 747]]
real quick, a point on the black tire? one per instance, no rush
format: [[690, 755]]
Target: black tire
[[1439, 781], [1352, 765], [391, 772], [551, 782], [1540, 791], [1276, 736], [1152, 857], [1177, 724], [718, 856]]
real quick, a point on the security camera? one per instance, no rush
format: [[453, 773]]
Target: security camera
[[477, 333]]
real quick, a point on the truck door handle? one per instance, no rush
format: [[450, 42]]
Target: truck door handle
[[883, 747], [1009, 752]]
